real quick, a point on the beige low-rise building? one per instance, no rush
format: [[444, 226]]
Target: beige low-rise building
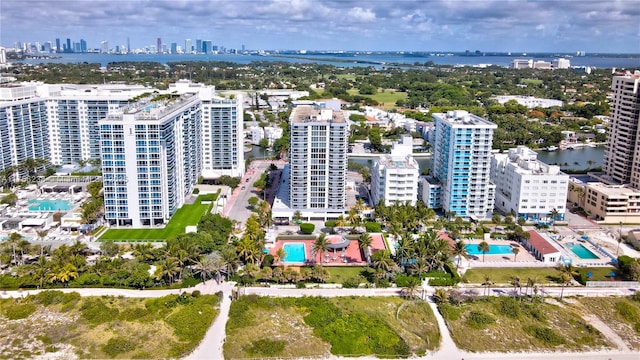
[[612, 204]]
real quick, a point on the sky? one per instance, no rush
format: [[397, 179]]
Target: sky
[[608, 26]]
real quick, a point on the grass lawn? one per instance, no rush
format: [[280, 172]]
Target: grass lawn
[[503, 275], [622, 315], [317, 327], [341, 273], [532, 81], [188, 214], [387, 97], [56, 325], [544, 275], [504, 324]]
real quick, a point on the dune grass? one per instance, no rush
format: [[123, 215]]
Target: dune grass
[[68, 326], [504, 324], [317, 327]]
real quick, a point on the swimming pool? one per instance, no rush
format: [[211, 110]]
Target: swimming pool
[[295, 252], [49, 205], [472, 249], [581, 251]]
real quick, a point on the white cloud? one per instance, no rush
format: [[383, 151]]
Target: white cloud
[[359, 14]]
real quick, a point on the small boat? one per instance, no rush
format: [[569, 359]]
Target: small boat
[[552, 148]]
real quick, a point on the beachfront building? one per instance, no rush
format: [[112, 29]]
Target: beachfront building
[[528, 187], [151, 159], [611, 204], [461, 162], [542, 247], [57, 123], [24, 127], [622, 153], [222, 130], [317, 171], [394, 177]]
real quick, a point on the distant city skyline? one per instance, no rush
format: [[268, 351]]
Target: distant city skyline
[[374, 25]]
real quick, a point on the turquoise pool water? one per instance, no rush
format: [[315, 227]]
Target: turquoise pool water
[[49, 205], [295, 252], [472, 249], [581, 251]]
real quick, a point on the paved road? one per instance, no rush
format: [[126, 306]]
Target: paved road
[[237, 207]]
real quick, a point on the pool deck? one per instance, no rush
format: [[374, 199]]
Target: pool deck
[[352, 254], [523, 256]]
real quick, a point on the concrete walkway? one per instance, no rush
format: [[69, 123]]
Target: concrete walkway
[[211, 346], [448, 348]]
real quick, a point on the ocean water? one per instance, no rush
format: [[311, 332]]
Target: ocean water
[[351, 59]]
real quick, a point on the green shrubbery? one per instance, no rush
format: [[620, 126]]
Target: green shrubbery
[[118, 345], [509, 307], [544, 334], [15, 311], [191, 321], [307, 228], [266, 347], [349, 333], [373, 227], [479, 320], [96, 311]]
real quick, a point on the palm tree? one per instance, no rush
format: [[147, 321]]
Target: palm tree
[[167, 269], [279, 255], [410, 288], [382, 261], [459, 250], [440, 296], [364, 243], [41, 235], [484, 247], [515, 281], [567, 272], [321, 245], [531, 283], [487, 283], [515, 251], [565, 279], [210, 265]]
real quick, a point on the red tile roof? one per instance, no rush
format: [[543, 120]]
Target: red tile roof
[[541, 244]]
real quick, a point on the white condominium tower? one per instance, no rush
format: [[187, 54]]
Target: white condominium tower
[[461, 163], [222, 130], [622, 151], [394, 177], [151, 161], [318, 161], [528, 187]]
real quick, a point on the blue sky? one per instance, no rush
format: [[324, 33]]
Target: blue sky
[[412, 25]]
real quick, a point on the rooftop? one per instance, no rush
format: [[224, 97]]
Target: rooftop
[[464, 118], [541, 244], [306, 114]]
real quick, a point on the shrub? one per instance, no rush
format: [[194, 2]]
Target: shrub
[[190, 322], [118, 345], [509, 307], [546, 335], [133, 314], [307, 228], [51, 297], [636, 296], [479, 320], [266, 347], [196, 191], [95, 311], [383, 283], [301, 285], [450, 312], [330, 223], [373, 227], [403, 280], [628, 311], [196, 293], [625, 263], [18, 311], [351, 283]]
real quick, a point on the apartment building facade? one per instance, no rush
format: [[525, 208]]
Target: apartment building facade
[[528, 187], [150, 156], [318, 161], [461, 161]]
